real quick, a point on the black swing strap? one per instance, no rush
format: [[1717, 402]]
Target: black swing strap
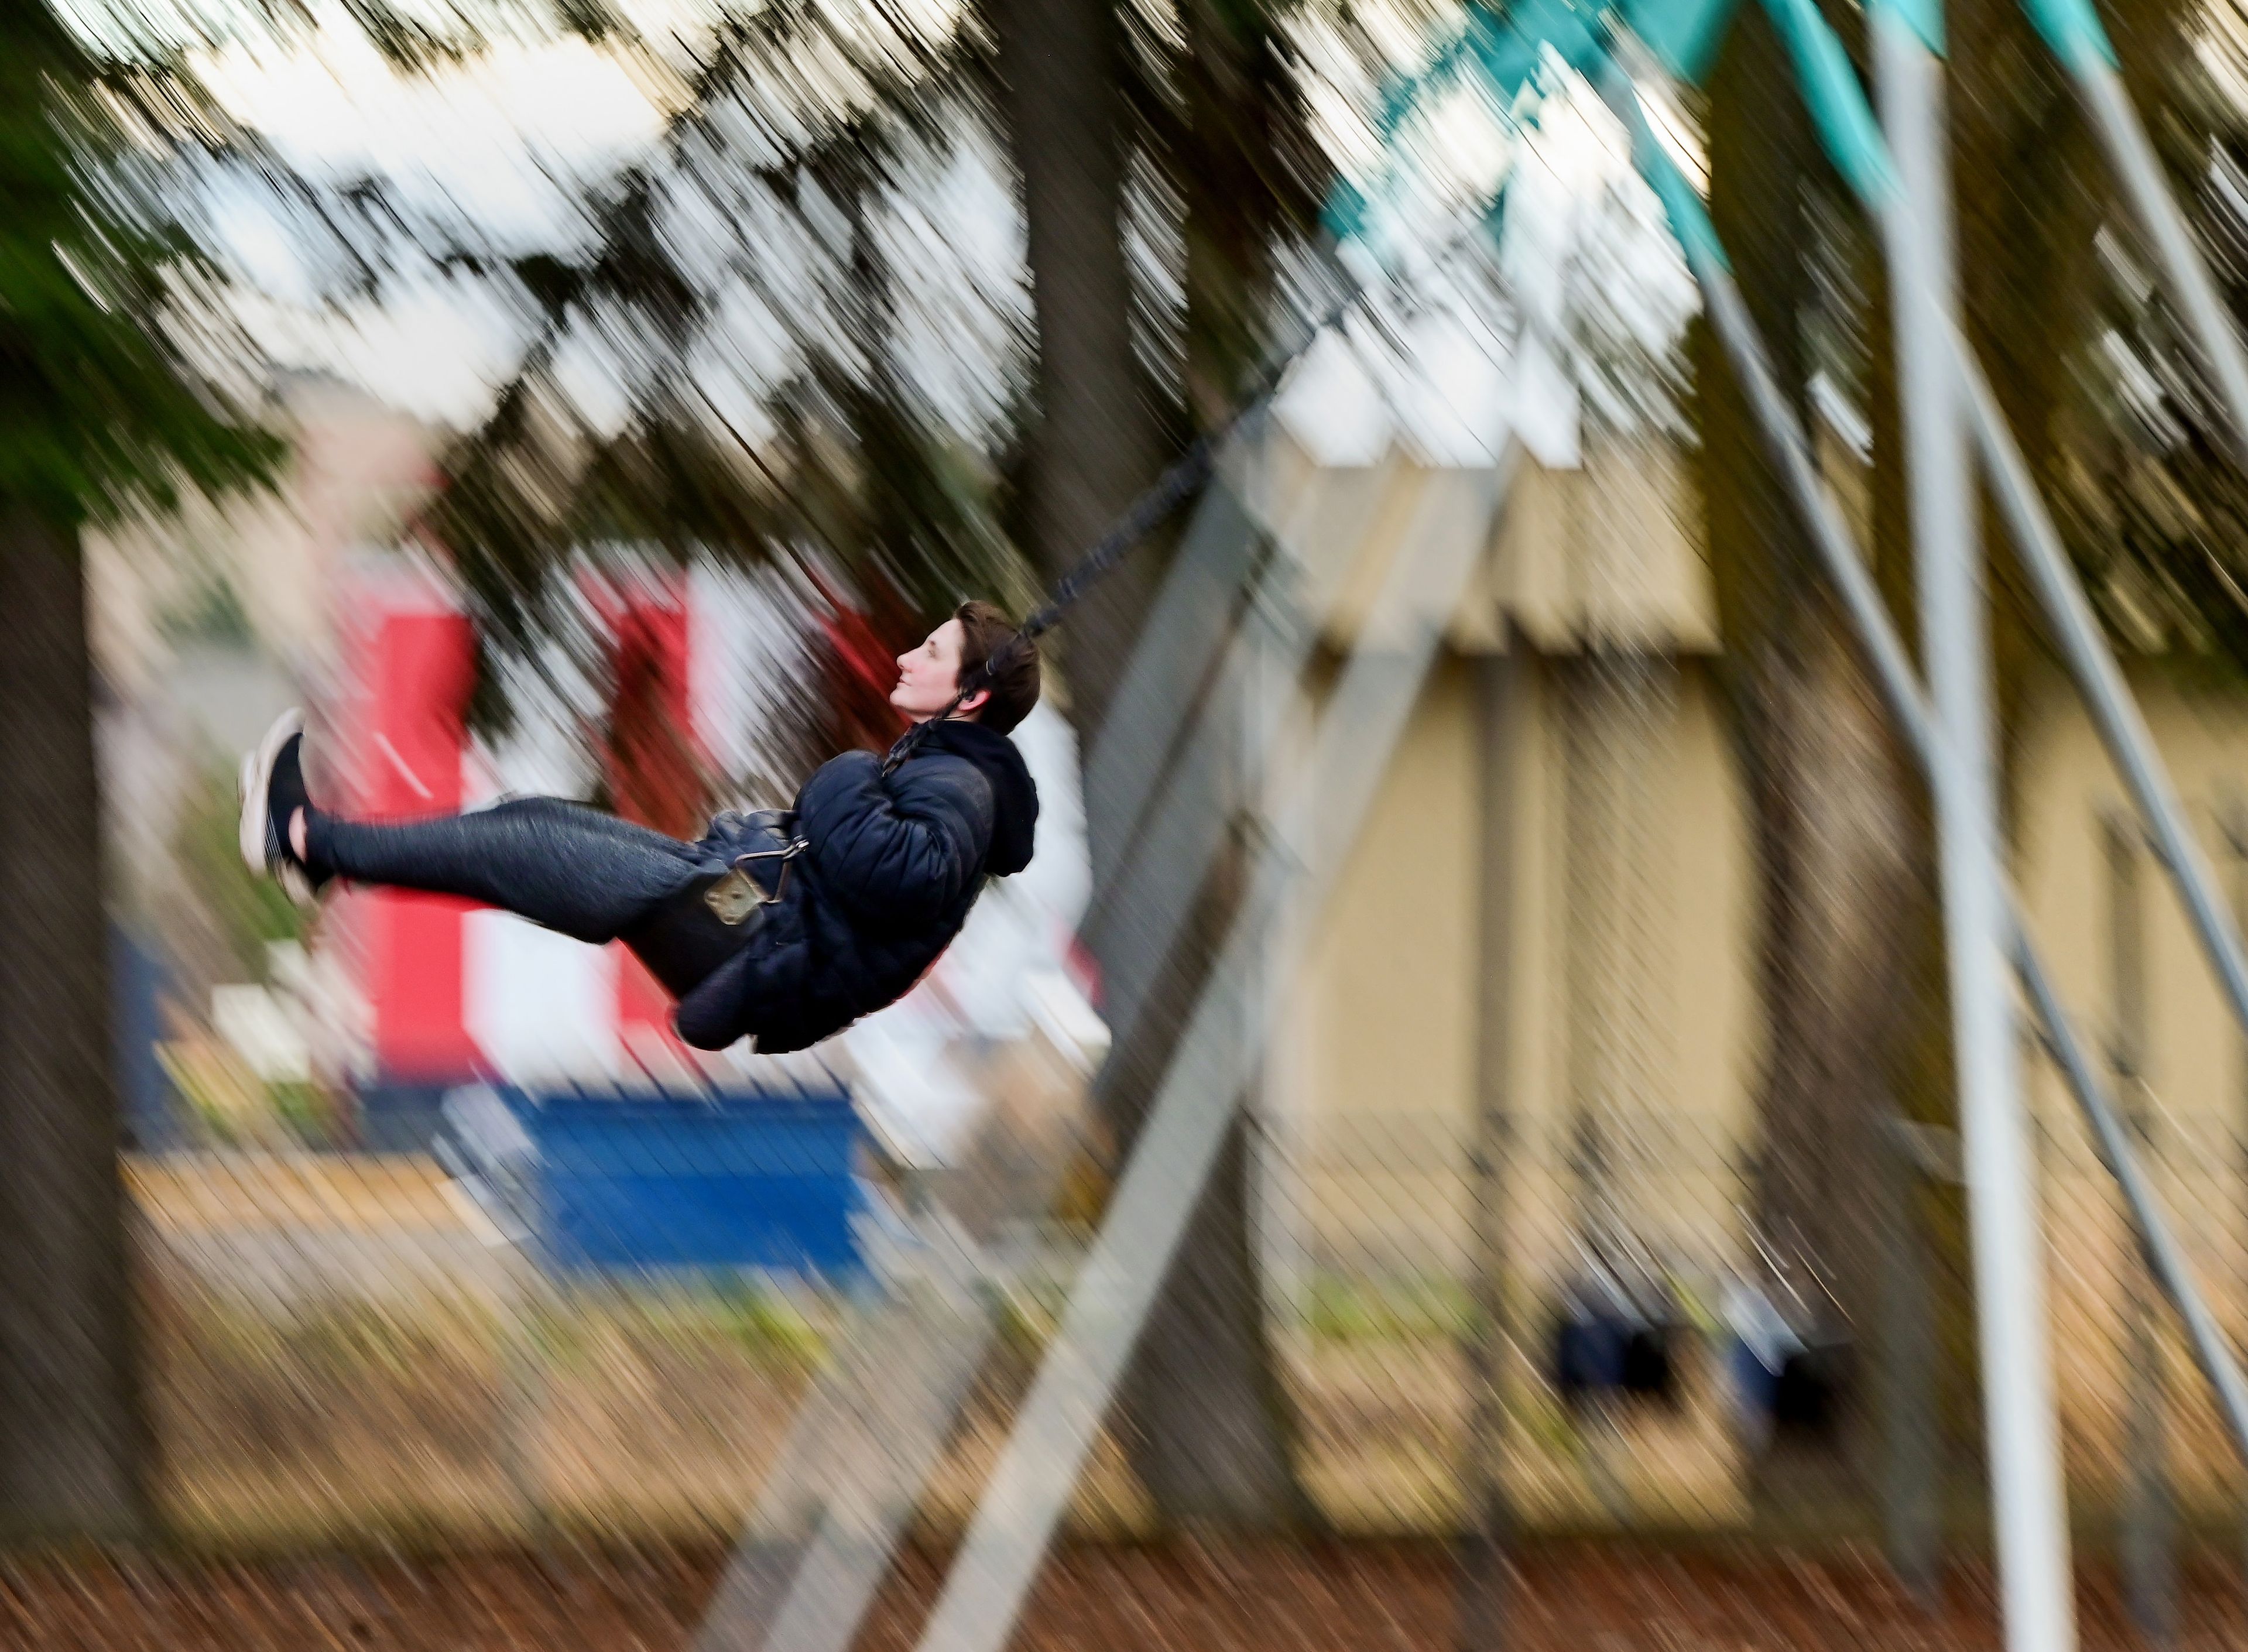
[[1180, 480]]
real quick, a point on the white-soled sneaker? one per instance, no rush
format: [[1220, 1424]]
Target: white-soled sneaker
[[262, 838]]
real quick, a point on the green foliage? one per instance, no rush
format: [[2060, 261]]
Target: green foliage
[[100, 409], [212, 614], [691, 1316], [342, 1340], [851, 461], [1420, 1311], [2151, 490], [762, 1322], [304, 1111], [770, 193]]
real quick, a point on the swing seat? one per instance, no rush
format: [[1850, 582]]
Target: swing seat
[[1650, 1365], [1588, 1352], [1808, 1392], [1600, 1351]]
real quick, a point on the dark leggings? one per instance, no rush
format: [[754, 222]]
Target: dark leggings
[[574, 869]]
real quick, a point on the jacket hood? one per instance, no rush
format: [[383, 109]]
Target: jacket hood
[[1015, 818]]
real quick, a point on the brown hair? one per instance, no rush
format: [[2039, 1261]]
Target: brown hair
[[984, 632]]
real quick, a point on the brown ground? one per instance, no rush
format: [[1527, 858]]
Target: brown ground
[[1571, 1599]]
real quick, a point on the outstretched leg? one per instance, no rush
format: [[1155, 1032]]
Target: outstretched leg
[[587, 875], [574, 869]]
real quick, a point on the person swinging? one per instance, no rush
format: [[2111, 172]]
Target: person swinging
[[783, 927]]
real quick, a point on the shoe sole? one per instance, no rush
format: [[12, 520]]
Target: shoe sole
[[250, 824]]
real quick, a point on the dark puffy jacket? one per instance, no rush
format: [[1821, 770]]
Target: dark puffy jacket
[[894, 863]]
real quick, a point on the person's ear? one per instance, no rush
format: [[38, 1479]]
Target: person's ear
[[974, 703]]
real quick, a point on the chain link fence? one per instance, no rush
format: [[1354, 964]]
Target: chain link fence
[[603, 1313], [656, 1315], [348, 1344], [598, 1313]]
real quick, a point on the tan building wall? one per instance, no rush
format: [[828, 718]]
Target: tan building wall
[[1375, 1080], [2194, 1096], [1383, 1028], [2065, 788], [354, 472], [1376, 1085]]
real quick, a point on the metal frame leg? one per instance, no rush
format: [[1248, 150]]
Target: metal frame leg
[[1117, 1287], [2020, 1420]]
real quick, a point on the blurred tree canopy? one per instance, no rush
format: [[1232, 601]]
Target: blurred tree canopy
[[103, 334], [778, 342], [772, 343]]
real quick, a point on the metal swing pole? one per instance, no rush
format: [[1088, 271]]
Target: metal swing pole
[[2030, 1505], [1859, 152], [2033, 1551], [1193, 611], [2131, 745], [1953, 738], [1893, 671], [2122, 730], [1847, 129], [1839, 557]]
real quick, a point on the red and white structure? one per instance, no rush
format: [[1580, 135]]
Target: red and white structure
[[425, 990], [418, 993]]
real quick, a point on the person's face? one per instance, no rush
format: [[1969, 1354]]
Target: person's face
[[929, 675]]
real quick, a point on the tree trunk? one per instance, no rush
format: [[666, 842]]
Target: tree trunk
[[1095, 440], [1214, 1430], [1200, 1409], [1829, 803], [72, 1444]]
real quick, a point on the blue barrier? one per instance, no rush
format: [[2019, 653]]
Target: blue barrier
[[396, 1117], [154, 1118], [601, 1183]]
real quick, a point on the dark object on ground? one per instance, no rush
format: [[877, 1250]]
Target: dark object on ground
[[1588, 1353], [1807, 1397], [1650, 1366], [1598, 1352]]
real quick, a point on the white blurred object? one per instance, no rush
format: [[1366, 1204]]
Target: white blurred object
[[1545, 406], [910, 1090], [290, 968], [1759, 1326], [1333, 408], [251, 1020], [541, 1005], [1070, 1023], [1587, 296]]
